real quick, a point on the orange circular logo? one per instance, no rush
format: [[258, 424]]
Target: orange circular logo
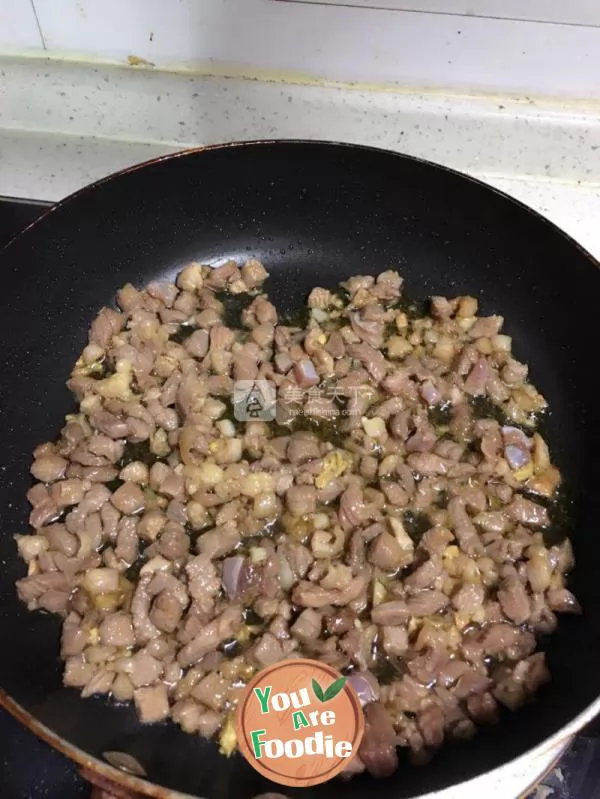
[[299, 723]]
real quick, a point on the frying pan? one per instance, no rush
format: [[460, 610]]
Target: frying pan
[[314, 213]]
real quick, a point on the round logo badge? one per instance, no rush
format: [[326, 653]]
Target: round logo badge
[[299, 723]]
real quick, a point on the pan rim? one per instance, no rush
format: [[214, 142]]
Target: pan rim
[[559, 740], [351, 146], [144, 786]]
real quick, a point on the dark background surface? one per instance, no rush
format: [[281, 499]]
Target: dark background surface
[[29, 769]]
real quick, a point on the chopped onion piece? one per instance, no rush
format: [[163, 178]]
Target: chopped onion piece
[[363, 684], [232, 569]]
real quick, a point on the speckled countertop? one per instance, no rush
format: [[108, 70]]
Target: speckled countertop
[[75, 123]]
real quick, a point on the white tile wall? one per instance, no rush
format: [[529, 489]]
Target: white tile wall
[[18, 27], [577, 12], [342, 43]]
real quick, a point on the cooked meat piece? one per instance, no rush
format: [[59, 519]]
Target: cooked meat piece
[[514, 373], [106, 447], [211, 691], [127, 540], [140, 609], [391, 613], [395, 494], [368, 329], [254, 273], [166, 612], [487, 326], [471, 682], [424, 575], [386, 552], [503, 639], [173, 542], [54, 601], [423, 439], [483, 708], [218, 542], [517, 686], [267, 651], [143, 669], [340, 622], [492, 521], [426, 666], [378, 748], [450, 450], [100, 683], [128, 498], [395, 640], [516, 447], [514, 599], [352, 508], [331, 491], [371, 359], [427, 463], [469, 598], [463, 528], [307, 626], [299, 558], [74, 637], [301, 500], [117, 630], [78, 673], [49, 468], [431, 726], [208, 723], [60, 538], [302, 447], [477, 380], [451, 671], [335, 345], [426, 603], [152, 704], [106, 325], [309, 595], [197, 343], [220, 629], [187, 714], [31, 589], [436, 540], [202, 577], [562, 601], [67, 492], [526, 511]]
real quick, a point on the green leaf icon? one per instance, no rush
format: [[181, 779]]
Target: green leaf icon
[[330, 692], [318, 690], [334, 689]]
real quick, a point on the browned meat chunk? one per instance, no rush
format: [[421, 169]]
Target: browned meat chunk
[[378, 748], [152, 704]]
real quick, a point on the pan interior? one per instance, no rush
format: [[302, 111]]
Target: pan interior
[[315, 214]]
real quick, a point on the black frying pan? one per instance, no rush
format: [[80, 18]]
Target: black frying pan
[[315, 213]]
